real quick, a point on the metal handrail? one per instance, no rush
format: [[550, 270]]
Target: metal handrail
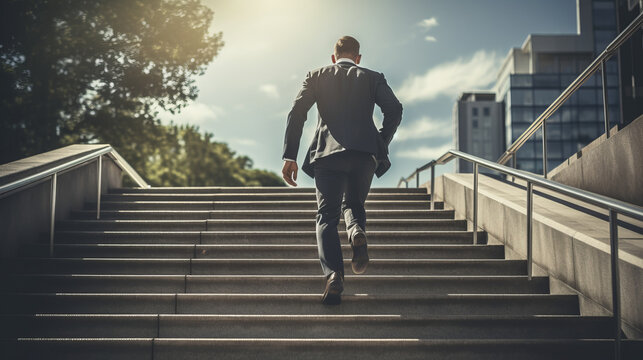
[[599, 62], [52, 173], [72, 163], [614, 207], [579, 194]]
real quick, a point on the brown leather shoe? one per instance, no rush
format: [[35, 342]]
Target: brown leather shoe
[[360, 253], [334, 287]]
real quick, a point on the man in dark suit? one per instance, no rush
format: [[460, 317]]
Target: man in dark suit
[[346, 151]]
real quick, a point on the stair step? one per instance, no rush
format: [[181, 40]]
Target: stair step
[[252, 214], [284, 284], [249, 196], [255, 225], [256, 205], [260, 237], [250, 189], [287, 304], [274, 251], [319, 349], [305, 326], [256, 266]]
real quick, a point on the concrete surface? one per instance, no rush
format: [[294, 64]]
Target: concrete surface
[[612, 167], [28, 166], [570, 246]]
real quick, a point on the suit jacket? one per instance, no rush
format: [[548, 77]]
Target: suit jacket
[[345, 94]]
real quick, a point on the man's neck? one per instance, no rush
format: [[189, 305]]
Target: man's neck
[[346, 60]]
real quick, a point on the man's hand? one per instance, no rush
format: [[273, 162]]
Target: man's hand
[[289, 172]]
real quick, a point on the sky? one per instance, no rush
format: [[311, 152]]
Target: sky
[[429, 51]]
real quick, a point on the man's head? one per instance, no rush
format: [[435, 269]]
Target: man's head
[[347, 47]]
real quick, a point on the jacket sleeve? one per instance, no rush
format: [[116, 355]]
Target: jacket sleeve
[[297, 116], [391, 109]]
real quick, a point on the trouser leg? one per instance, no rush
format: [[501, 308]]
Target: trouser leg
[[330, 185], [357, 188]]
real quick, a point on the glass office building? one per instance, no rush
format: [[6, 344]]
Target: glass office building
[[578, 122], [533, 76]]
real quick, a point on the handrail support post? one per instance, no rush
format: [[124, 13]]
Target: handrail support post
[[530, 223], [98, 190], [544, 135], [433, 187], [605, 113], [475, 203], [513, 164], [616, 287], [417, 178], [52, 213]]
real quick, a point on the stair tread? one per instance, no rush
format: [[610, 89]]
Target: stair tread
[[135, 272], [314, 297]]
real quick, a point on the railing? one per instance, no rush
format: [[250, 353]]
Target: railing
[[541, 121], [614, 206], [53, 173]]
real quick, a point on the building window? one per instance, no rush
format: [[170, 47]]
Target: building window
[[602, 38], [486, 111], [545, 96], [475, 123], [521, 81], [546, 81], [547, 63], [604, 15], [522, 97], [522, 114], [474, 111]]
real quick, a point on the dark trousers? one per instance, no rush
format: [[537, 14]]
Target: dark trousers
[[342, 181]]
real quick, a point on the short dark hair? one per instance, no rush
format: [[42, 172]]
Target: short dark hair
[[347, 45]]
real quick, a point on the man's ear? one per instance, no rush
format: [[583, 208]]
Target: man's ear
[[358, 58], [332, 58]]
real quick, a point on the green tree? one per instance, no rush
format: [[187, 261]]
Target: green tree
[[186, 157], [97, 71], [82, 69]]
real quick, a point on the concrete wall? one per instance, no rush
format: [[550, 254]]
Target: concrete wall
[[25, 214], [612, 167], [568, 246]]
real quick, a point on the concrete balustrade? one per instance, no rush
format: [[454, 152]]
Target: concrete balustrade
[[570, 246], [25, 212]]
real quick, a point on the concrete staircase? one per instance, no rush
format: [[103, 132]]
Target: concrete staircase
[[232, 273]]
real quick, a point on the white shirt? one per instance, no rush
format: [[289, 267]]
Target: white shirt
[[352, 62]]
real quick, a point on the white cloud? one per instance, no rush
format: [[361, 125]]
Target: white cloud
[[195, 114], [270, 90], [451, 78], [424, 152], [428, 23], [424, 128]]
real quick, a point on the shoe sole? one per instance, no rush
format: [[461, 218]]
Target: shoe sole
[[359, 263]]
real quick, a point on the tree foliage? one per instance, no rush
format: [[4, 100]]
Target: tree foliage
[[186, 157], [98, 71]]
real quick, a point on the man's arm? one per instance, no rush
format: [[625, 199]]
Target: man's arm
[[391, 108], [296, 118]]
